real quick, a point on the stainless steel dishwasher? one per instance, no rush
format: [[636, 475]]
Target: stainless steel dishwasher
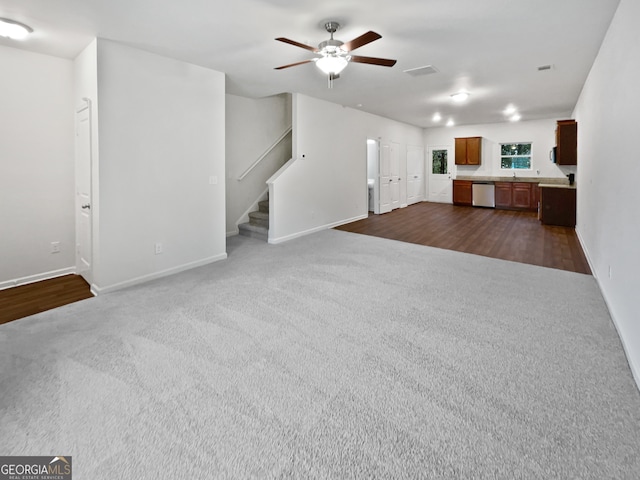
[[483, 194]]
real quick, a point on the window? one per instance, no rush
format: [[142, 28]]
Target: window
[[439, 162], [515, 156]]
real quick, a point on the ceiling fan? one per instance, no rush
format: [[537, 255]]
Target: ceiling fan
[[334, 54]]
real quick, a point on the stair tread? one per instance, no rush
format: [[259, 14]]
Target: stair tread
[[260, 215]]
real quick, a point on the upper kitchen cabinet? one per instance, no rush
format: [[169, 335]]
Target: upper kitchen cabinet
[[566, 142], [468, 151]]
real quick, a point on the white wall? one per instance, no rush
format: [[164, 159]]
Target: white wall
[[541, 134], [608, 174], [328, 186], [252, 126], [36, 166], [161, 138]]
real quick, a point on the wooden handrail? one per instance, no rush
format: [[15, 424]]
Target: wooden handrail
[[267, 151]]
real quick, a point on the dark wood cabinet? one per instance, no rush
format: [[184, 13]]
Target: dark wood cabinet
[[468, 150], [503, 194], [558, 206], [567, 142], [517, 195], [521, 195], [462, 192]]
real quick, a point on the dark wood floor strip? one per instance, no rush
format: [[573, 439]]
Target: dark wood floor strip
[[25, 300], [508, 235]]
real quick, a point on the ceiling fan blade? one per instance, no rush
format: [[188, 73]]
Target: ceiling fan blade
[[297, 44], [293, 64], [383, 62], [361, 40]]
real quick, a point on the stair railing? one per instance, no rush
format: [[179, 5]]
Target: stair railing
[[261, 157]]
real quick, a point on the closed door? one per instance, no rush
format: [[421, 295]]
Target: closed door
[[385, 179], [415, 174], [83, 193], [395, 175], [440, 183]]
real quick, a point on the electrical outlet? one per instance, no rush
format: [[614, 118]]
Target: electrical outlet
[[609, 271], [158, 247], [213, 180], [55, 247]]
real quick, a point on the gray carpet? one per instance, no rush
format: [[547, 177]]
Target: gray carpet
[[335, 355]]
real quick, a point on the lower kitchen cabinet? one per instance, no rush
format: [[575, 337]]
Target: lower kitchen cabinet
[[503, 195], [462, 192], [558, 206], [517, 195]]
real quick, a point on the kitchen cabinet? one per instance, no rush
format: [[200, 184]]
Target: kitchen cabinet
[[567, 142], [517, 195], [558, 205], [521, 195], [462, 192], [503, 194], [468, 150]]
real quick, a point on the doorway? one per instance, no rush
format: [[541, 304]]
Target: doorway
[[439, 166]]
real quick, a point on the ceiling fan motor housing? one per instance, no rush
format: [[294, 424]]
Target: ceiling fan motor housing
[[331, 47]]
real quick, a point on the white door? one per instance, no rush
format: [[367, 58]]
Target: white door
[[385, 179], [415, 174], [395, 175], [440, 184], [83, 192]]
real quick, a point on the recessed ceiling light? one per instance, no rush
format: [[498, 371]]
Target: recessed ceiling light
[[437, 117], [14, 30], [460, 96], [515, 117], [510, 110], [450, 123]]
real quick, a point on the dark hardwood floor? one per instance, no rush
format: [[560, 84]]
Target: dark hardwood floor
[[25, 300], [505, 234]]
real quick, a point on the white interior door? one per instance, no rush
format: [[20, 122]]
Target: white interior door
[[83, 192], [440, 184], [385, 179], [415, 174], [395, 175]]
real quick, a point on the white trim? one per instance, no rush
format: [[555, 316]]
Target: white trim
[[275, 176], [153, 276], [286, 238], [635, 369], [233, 233], [37, 277]]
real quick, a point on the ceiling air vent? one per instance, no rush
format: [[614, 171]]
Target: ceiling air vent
[[419, 71], [542, 68]]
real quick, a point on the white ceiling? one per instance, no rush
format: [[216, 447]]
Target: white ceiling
[[492, 48]]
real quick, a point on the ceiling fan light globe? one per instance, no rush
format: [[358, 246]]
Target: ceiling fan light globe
[[331, 64]]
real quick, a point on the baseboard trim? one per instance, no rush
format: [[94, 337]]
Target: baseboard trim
[[96, 290], [286, 238], [635, 369], [233, 233], [16, 282]]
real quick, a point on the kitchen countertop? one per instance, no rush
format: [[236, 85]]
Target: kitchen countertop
[[546, 181], [556, 185]]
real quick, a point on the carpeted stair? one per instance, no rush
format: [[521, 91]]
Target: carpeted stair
[[258, 225]]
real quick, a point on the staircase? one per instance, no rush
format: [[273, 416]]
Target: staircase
[[258, 226]]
